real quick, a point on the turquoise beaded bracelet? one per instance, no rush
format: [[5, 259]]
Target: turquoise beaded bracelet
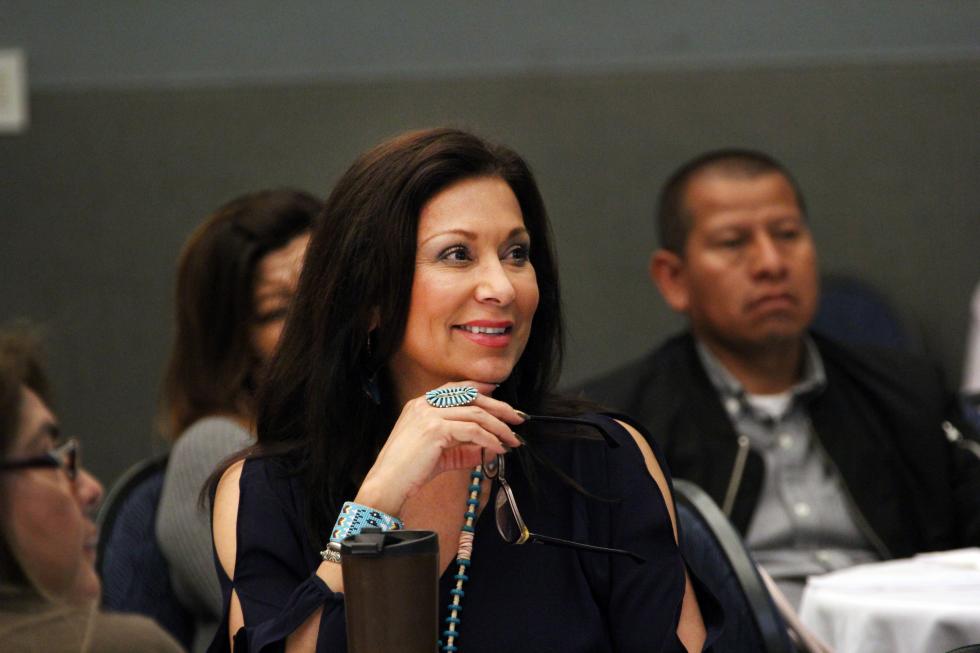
[[354, 518]]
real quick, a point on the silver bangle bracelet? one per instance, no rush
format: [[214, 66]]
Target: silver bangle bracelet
[[331, 553]]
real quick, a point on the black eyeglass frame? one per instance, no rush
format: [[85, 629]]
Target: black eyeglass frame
[[505, 495], [64, 457]]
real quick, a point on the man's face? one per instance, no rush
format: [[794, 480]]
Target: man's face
[[748, 276]]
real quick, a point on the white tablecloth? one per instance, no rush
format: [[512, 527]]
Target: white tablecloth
[[926, 604]]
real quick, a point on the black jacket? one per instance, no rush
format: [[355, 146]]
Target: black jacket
[[883, 420]]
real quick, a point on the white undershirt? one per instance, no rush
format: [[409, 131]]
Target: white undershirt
[[774, 406]]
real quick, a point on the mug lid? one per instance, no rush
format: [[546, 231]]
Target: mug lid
[[373, 542]]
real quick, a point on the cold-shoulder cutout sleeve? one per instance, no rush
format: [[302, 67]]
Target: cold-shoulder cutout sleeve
[[274, 564], [656, 471], [643, 521]]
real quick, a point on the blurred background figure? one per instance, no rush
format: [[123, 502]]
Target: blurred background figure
[[797, 436], [236, 277], [235, 281], [48, 585], [971, 366]]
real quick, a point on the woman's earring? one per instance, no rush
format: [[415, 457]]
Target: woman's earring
[[370, 384], [372, 390]]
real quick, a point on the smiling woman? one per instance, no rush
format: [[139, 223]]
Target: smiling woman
[[427, 313], [474, 293], [48, 585]]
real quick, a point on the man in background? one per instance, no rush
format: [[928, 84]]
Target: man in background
[[821, 455]]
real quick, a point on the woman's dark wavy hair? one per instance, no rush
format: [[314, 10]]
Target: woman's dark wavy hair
[[212, 364], [313, 409], [20, 366]]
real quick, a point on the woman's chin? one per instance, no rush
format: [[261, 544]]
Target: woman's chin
[[490, 379], [494, 374], [88, 587]]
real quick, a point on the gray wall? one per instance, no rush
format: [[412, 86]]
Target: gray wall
[[98, 195], [188, 42]]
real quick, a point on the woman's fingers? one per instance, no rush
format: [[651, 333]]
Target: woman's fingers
[[493, 415], [428, 440], [473, 433], [478, 415], [501, 409]]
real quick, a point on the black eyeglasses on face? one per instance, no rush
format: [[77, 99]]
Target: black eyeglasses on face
[[64, 457], [510, 523]]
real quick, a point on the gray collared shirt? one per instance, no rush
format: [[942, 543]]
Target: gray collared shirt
[[803, 523]]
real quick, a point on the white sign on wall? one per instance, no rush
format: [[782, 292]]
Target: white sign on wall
[[13, 91]]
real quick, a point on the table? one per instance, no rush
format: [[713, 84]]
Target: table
[[926, 604]]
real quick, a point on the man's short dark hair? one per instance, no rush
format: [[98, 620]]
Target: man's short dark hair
[[673, 217]]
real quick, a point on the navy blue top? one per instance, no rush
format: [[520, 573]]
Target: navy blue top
[[530, 597]]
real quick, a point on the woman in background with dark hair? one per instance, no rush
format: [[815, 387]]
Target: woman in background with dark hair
[[48, 586], [396, 387], [236, 278]]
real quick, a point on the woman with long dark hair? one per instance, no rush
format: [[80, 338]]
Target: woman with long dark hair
[[236, 278], [425, 330]]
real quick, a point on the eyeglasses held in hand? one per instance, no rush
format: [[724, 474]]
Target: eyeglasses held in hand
[[64, 457], [510, 523]]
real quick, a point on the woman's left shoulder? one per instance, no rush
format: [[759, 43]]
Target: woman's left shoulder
[[633, 439], [637, 437], [626, 432], [205, 444]]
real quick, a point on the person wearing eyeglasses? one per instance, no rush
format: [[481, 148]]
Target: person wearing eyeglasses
[[413, 388], [236, 278], [48, 586]]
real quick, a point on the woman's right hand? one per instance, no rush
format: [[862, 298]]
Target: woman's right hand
[[427, 441]]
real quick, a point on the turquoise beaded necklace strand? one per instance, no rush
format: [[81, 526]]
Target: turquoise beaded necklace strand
[[463, 555]]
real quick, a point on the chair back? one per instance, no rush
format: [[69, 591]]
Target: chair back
[[135, 574], [854, 312], [716, 554]]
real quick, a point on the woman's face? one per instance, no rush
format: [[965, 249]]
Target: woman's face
[[474, 293], [276, 277], [46, 516]]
